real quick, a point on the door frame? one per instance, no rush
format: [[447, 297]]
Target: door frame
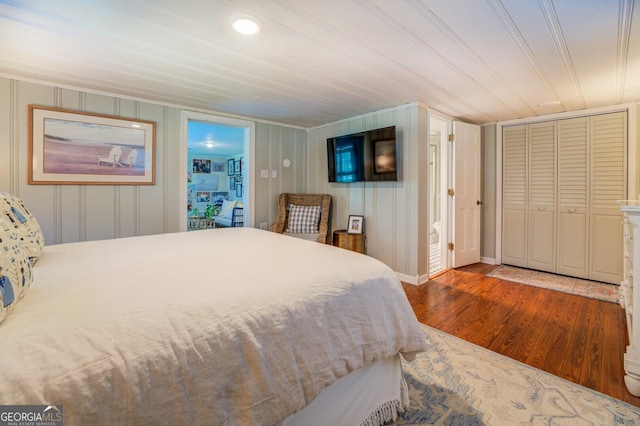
[[447, 205], [249, 154]]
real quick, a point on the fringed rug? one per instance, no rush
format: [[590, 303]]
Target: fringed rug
[[580, 287], [458, 383]]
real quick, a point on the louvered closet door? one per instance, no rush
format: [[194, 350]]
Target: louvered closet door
[[514, 198], [573, 197], [608, 185], [542, 193]]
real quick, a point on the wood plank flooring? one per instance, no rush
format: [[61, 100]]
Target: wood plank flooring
[[577, 338]]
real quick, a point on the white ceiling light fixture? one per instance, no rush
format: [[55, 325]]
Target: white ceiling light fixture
[[245, 24], [549, 103]]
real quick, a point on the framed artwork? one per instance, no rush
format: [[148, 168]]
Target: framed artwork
[[385, 159], [203, 196], [201, 166], [217, 166], [356, 224], [238, 190], [230, 167], [206, 182], [232, 183], [79, 148], [218, 197], [238, 166]]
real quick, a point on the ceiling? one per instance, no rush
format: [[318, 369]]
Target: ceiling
[[210, 139], [320, 61]]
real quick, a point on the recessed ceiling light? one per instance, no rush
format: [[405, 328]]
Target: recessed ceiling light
[[549, 103], [245, 24]]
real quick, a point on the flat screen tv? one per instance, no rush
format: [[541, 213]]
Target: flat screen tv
[[363, 157]]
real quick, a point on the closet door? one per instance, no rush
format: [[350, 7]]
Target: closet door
[[608, 185], [542, 194], [573, 197], [514, 198]]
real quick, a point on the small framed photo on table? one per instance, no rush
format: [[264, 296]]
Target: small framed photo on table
[[356, 224]]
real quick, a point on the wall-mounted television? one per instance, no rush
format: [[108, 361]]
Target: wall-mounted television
[[365, 156]]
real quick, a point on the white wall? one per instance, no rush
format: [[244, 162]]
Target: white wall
[[395, 212]]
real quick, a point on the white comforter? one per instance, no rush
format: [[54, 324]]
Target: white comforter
[[226, 326]]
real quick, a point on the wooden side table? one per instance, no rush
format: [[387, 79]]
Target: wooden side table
[[353, 242]]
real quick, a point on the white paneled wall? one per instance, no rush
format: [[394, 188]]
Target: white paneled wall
[[69, 213], [274, 144], [395, 212]]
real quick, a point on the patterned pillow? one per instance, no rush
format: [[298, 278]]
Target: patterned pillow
[[304, 219], [226, 210], [15, 272], [14, 210]]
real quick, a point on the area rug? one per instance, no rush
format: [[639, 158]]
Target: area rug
[[580, 287], [458, 383]]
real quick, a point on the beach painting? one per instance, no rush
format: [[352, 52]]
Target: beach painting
[[70, 147]]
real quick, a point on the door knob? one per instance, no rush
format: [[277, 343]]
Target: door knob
[[478, 203]]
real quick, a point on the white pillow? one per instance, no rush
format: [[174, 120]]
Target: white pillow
[[226, 210]]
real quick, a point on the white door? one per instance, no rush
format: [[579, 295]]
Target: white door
[[514, 195], [466, 184], [542, 196], [573, 197]]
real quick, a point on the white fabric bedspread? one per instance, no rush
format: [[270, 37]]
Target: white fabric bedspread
[[226, 326]]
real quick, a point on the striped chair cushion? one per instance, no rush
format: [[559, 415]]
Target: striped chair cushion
[[303, 219]]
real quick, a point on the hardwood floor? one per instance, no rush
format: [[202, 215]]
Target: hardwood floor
[[579, 339]]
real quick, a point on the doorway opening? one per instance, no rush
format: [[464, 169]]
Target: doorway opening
[[218, 154], [438, 203]]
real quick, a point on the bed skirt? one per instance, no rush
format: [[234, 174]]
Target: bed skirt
[[371, 396]]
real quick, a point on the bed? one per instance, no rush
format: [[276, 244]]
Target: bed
[[224, 326]]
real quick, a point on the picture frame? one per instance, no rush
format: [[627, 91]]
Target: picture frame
[[238, 166], [217, 166], [230, 167], [385, 160], [203, 196], [80, 148], [200, 166], [218, 197], [355, 225], [206, 182], [232, 183], [238, 190]]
